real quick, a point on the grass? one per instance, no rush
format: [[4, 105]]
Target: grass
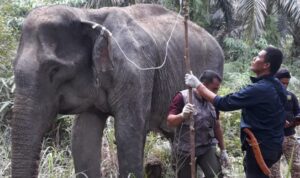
[[56, 160], [4, 151]]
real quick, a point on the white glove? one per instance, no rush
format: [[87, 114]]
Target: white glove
[[191, 80], [187, 110], [224, 158]]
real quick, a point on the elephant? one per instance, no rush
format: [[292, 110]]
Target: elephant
[[91, 62]]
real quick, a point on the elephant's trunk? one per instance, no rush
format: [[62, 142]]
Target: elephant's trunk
[[28, 129]]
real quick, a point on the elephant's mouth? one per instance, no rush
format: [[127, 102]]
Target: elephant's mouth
[[67, 111], [67, 107], [70, 110], [73, 105]]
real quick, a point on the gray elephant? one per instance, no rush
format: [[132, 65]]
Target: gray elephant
[[68, 63]]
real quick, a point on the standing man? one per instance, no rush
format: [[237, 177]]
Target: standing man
[[291, 147], [207, 130], [262, 104]]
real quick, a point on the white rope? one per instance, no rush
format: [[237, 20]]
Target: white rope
[[147, 68]]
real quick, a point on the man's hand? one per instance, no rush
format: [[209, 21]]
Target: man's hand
[[297, 120], [191, 80], [288, 124], [297, 123], [224, 158], [187, 110], [294, 123]]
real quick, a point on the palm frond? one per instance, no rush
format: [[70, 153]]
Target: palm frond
[[227, 8], [253, 12], [292, 9]]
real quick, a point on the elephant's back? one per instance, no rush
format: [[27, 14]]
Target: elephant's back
[[152, 27], [158, 18], [159, 22], [146, 11]]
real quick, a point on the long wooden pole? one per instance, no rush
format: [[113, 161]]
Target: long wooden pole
[[188, 70]]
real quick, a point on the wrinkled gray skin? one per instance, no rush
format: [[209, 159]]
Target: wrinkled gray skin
[[64, 66]]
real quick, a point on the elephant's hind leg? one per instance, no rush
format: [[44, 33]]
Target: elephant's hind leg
[[87, 134]]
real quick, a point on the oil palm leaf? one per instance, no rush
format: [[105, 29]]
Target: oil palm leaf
[[254, 12], [227, 8], [292, 9]]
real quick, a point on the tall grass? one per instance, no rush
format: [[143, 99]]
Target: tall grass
[[56, 160]]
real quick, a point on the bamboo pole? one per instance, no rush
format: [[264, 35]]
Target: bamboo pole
[[188, 70]]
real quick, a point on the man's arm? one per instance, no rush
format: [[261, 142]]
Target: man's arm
[[296, 108], [178, 112], [248, 96], [206, 93], [296, 112], [174, 120], [219, 135]]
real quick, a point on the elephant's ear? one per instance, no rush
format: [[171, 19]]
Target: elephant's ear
[[102, 53]]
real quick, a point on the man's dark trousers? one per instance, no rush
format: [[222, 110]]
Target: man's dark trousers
[[209, 163], [251, 167]]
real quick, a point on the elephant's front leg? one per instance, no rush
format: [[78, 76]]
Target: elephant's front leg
[[87, 134], [130, 136]]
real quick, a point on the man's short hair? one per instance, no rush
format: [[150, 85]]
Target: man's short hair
[[274, 57], [208, 76], [283, 73]]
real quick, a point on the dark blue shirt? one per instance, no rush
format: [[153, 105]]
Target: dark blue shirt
[[292, 109], [262, 104]]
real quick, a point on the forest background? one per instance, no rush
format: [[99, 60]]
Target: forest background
[[242, 27]]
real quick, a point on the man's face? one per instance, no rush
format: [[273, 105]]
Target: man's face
[[258, 64], [285, 82], [214, 86]]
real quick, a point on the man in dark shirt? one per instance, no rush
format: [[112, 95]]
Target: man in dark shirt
[[207, 130], [262, 104], [291, 147]]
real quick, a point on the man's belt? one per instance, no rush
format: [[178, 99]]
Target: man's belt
[[257, 153]]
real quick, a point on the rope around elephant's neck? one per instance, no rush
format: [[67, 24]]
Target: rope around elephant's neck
[[131, 61], [166, 54]]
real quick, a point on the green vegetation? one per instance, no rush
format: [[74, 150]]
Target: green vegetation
[[240, 43]]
